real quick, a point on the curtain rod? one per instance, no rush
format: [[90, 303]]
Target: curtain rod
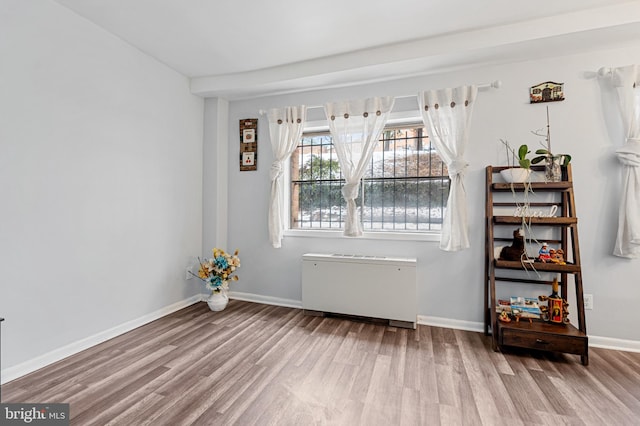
[[496, 84], [604, 71]]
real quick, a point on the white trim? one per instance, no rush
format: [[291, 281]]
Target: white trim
[[451, 323], [266, 300], [594, 341], [382, 235], [12, 373], [222, 173], [615, 344]]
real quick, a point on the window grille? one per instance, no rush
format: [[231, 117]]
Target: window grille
[[405, 188]]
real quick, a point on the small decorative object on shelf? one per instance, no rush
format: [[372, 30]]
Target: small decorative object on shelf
[[555, 304], [216, 273], [557, 309], [516, 250], [557, 256], [543, 254]]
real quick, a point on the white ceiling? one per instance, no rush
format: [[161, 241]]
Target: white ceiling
[[242, 48]]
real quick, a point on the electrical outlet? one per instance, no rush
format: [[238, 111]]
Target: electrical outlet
[[588, 301]]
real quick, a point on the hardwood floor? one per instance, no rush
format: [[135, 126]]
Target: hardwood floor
[[267, 365]]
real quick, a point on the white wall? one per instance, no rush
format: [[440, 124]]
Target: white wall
[[451, 284], [215, 148], [100, 181]]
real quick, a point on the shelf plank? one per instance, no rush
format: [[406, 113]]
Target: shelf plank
[[523, 280], [549, 221], [520, 187], [538, 266]]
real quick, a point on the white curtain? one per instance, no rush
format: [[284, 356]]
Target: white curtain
[[627, 81], [285, 130], [355, 127], [447, 115]]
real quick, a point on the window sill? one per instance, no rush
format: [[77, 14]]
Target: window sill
[[337, 234]]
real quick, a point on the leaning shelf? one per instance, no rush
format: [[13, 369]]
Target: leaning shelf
[[535, 334]]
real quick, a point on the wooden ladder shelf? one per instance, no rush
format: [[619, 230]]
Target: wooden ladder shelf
[[537, 334]]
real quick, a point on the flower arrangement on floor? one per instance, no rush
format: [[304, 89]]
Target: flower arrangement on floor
[[217, 271]]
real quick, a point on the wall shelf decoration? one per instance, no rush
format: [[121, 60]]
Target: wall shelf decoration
[[248, 144], [548, 91]]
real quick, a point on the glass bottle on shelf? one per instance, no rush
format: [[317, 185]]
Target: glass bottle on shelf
[[555, 303]]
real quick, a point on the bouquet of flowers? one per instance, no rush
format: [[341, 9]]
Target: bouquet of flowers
[[219, 270]]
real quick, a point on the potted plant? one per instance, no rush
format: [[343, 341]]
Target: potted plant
[[516, 174], [216, 273], [553, 162]]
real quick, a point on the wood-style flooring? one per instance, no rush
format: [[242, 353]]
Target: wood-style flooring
[[268, 365]]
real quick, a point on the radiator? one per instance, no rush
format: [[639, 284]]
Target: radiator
[[366, 286]]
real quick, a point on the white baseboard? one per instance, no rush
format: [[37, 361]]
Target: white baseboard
[[267, 300], [12, 373], [451, 323], [615, 344], [594, 341]]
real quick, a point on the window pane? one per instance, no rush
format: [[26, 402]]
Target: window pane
[[404, 204], [405, 187], [316, 183]]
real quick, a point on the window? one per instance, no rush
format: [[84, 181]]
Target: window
[[405, 188]]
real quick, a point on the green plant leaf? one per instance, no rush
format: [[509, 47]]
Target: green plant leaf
[[525, 163], [567, 158], [523, 151], [542, 151], [536, 160]]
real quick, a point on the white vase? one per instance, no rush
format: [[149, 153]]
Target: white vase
[[515, 174], [218, 300]]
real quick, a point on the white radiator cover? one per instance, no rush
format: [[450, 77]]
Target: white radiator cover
[[369, 286]]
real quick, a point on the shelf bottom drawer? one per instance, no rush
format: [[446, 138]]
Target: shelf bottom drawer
[[544, 341]]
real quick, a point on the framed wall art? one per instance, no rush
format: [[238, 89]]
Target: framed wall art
[[248, 144], [548, 91]]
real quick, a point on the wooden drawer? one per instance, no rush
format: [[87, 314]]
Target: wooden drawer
[[543, 341]]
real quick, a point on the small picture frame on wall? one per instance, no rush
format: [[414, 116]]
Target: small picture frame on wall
[[248, 144], [248, 135], [549, 91], [248, 158]]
